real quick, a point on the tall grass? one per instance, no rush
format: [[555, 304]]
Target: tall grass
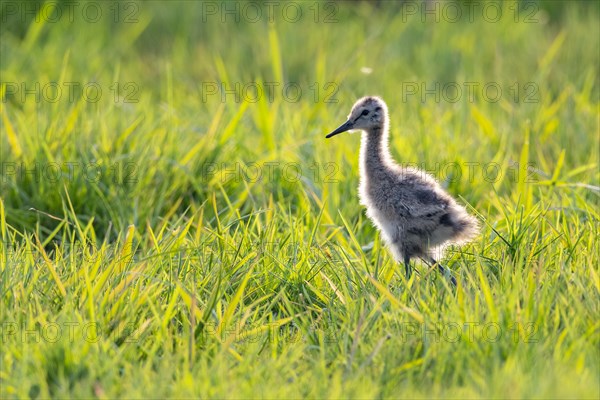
[[169, 240]]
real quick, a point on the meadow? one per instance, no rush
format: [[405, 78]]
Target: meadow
[[173, 222]]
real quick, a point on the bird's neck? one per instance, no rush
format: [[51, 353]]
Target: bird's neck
[[375, 154]]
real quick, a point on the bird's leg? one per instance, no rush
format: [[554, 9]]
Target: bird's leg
[[444, 271], [407, 267]]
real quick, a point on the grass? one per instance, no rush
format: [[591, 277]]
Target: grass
[[161, 240]]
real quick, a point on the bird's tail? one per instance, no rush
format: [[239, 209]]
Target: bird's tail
[[466, 228]]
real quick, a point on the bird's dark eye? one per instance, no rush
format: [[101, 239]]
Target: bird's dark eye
[[365, 112]]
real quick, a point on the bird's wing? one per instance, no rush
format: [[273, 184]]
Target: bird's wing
[[411, 193], [422, 202]]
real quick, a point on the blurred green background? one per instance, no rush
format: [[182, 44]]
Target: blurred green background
[[152, 71]]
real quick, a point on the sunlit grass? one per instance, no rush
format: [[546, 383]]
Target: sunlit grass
[[167, 241]]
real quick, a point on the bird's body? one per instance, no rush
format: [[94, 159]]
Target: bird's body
[[416, 217]]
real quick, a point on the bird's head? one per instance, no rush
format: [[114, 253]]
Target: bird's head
[[368, 114]]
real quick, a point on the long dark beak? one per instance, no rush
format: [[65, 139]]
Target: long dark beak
[[346, 126]]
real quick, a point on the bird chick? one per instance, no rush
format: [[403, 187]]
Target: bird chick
[[415, 216]]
